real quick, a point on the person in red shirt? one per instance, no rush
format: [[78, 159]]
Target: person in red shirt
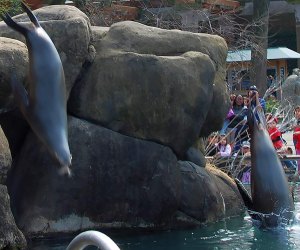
[[296, 134], [274, 133]]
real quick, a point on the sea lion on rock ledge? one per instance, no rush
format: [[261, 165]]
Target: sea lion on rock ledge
[[45, 106]]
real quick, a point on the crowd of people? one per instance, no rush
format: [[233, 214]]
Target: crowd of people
[[233, 140]]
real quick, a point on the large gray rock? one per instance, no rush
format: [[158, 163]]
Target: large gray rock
[[15, 128], [10, 236], [5, 157], [162, 88], [208, 195], [154, 84], [117, 181], [13, 61], [291, 89], [69, 29]]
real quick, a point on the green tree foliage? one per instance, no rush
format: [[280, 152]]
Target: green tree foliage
[[271, 105], [10, 6], [13, 7]]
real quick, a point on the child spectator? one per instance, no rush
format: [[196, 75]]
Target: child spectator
[[223, 147], [274, 133], [245, 173], [290, 164], [211, 148]]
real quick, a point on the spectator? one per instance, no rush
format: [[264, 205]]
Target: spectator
[[246, 101], [290, 164], [270, 80], [239, 122], [255, 102], [229, 117], [245, 173], [223, 147], [211, 148], [274, 133], [296, 133], [232, 98]]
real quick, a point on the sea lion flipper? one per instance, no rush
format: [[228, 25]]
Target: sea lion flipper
[[20, 93], [31, 16], [11, 23], [244, 193]]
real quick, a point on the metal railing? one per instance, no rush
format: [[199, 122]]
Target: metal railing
[[92, 238]]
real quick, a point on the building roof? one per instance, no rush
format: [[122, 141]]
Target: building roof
[[272, 54]]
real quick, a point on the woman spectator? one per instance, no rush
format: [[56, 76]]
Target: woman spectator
[[239, 110], [223, 147], [239, 122], [229, 115]]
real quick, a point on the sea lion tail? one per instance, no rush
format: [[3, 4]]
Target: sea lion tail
[[11, 23], [31, 16]]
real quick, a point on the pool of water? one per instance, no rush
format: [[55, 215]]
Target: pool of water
[[234, 233]]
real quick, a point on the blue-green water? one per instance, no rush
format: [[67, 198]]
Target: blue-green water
[[235, 233]]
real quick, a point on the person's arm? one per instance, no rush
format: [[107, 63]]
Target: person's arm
[[263, 104], [257, 102]]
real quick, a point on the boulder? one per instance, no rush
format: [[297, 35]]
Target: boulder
[[69, 29], [291, 89], [154, 84], [117, 181], [13, 61], [10, 236], [233, 203], [5, 157], [208, 195], [15, 128]]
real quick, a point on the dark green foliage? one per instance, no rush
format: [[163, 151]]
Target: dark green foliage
[[271, 105], [10, 6]]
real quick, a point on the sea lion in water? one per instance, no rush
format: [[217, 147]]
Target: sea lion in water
[[271, 201], [44, 107]]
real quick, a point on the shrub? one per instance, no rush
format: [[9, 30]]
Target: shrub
[[10, 6]]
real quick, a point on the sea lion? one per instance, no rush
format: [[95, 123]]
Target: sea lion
[[44, 107], [271, 201]]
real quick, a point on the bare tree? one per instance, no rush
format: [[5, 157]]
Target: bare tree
[[239, 33], [259, 51]]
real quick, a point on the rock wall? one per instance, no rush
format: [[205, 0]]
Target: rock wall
[[10, 236], [139, 98], [291, 89]]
